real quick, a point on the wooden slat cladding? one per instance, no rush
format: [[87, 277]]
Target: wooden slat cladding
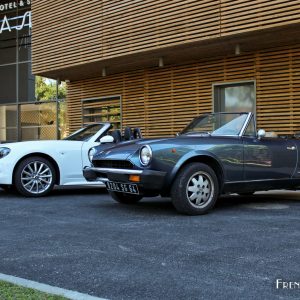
[[240, 16], [68, 33], [163, 100]]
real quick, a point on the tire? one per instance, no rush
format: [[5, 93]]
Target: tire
[[125, 198], [195, 189], [34, 177]]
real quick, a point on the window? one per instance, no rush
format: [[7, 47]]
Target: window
[[106, 109], [38, 121], [250, 131], [234, 97], [8, 123]]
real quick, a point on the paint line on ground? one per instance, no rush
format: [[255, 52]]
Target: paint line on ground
[[47, 288]]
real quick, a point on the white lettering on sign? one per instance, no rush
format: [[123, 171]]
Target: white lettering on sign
[[14, 4], [7, 23]]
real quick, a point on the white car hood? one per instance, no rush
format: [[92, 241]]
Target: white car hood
[[45, 146]]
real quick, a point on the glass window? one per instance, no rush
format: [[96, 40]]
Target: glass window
[[8, 123], [102, 110], [250, 131], [26, 83], [234, 97], [38, 121], [8, 91]]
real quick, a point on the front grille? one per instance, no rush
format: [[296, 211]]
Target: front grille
[[114, 164]]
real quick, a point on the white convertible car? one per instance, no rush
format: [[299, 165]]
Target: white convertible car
[[34, 167]]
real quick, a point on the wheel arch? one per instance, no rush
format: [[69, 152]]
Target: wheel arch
[[205, 159], [43, 155]]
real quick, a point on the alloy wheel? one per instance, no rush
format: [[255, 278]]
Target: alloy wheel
[[200, 189], [36, 177]]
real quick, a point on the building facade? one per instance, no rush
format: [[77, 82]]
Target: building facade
[[22, 117], [157, 64]]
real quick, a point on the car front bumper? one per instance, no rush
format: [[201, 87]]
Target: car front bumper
[[6, 171], [150, 182]]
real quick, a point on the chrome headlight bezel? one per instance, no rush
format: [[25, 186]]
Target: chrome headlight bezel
[[4, 151], [145, 155], [91, 154]]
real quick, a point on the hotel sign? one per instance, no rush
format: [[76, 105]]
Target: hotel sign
[[13, 5], [14, 22]]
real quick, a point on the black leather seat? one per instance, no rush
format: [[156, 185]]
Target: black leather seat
[[116, 134], [128, 134], [137, 133]]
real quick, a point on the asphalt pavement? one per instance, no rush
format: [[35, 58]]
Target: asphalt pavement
[[80, 239]]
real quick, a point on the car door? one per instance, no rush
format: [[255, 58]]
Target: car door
[[269, 158]]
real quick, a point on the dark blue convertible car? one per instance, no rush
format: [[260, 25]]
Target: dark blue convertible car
[[215, 154]]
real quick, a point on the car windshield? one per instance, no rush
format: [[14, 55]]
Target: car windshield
[[84, 134], [217, 124]]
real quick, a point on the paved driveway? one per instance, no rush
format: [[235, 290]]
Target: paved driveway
[[82, 240]]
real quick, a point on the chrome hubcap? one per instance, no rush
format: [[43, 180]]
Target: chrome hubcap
[[36, 177], [200, 189]]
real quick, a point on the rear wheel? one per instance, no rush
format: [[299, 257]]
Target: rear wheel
[[34, 177], [125, 198], [195, 189]]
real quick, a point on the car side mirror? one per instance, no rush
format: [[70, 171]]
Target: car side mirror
[[261, 133], [106, 139]]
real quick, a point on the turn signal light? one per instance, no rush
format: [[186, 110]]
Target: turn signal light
[[134, 178]]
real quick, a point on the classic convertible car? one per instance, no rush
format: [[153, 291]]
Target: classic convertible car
[[215, 154], [34, 167]]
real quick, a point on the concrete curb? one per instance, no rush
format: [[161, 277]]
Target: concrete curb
[[47, 288]]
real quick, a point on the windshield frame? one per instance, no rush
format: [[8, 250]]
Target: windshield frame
[[96, 136], [240, 134]]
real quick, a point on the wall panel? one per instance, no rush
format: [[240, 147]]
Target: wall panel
[[76, 32], [163, 100]]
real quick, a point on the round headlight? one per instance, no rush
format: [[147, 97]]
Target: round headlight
[[92, 152], [145, 155]]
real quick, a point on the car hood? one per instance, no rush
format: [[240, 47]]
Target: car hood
[[46, 144], [123, 150]]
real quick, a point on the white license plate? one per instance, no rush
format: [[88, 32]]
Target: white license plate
[[122, 187]]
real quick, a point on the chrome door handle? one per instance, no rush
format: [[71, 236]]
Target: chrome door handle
[[291, 148]]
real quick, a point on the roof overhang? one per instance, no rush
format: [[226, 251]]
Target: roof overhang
[[183, 54]]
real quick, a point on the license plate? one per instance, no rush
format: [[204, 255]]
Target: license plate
[[122, 187]]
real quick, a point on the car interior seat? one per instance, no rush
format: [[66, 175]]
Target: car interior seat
[[128, 134], [116, 134], [137, 133]]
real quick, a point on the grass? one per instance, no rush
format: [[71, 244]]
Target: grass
[[10, 291]]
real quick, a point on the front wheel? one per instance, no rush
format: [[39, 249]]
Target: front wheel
[[125, 198], [34, 177], [195, 189]]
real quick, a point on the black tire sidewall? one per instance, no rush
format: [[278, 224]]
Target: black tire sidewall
[[178, 191], [17, 176]]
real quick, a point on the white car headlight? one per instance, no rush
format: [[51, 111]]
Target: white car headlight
[[92, 152], [145, 155], [4, 151]]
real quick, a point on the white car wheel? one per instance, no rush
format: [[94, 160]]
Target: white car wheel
[[35, 177]]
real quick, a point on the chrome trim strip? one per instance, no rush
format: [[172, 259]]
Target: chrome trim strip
[[102, 179], [245, 124], [116, 171], [260, 180]]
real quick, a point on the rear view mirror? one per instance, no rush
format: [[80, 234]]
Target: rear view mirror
[[261, 133], [106, 139]]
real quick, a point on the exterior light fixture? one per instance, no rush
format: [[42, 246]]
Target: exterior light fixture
[[161, 62], [103, 72], [237, 49]]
